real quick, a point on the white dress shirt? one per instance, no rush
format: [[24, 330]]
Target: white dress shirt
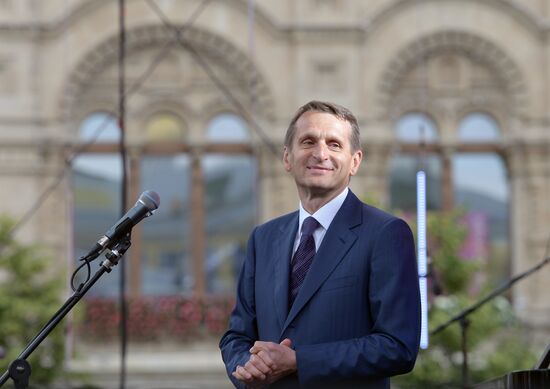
[[324, 216]]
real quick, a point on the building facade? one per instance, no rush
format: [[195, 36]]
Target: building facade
[[460, 88]]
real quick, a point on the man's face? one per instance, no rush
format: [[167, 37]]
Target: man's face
[[320, 157]]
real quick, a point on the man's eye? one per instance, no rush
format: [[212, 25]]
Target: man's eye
[[335, 145], [307, 142]]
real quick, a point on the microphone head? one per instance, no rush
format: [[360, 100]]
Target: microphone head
[[150, 199]]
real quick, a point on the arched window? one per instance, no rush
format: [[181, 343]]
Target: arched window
[[472, 177], [229, 179], [99, 127], [228, 128], [194, 244], [167, 239], [477, 128], [415, 129], [165, 127], [96, 179], [481, 188]]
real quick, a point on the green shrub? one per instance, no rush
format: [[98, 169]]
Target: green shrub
[[29, 296], [495, 339]]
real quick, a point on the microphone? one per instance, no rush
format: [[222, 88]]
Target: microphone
[[147, 203]]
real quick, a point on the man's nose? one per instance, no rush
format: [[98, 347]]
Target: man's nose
[[321, 151]]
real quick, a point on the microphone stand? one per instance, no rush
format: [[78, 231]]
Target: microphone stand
[[19, 370], [464, 322]]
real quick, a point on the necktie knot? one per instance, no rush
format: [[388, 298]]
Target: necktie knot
[[309, 225]]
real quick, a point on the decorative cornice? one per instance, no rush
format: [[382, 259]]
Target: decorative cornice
[[470, 45], [532, 21], [213, 47], [72, 15]]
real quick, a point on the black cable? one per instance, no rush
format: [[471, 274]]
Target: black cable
[[79, 149], [68, 161], [212, 75], [129, 93], [86, 263], [502, 288], [85, 146]]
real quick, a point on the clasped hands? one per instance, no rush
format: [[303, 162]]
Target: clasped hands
[[268, 363]]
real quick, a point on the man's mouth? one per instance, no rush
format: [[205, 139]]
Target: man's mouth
[[320, 168]]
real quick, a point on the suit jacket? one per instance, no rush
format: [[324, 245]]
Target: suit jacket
[[356, 319]]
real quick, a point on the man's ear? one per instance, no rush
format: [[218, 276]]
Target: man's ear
[[356, 159], [286, 162]]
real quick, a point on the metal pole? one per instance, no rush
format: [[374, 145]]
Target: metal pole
[[464, 323], [124, 194]]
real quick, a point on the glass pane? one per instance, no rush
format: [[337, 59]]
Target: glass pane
[[96, 180], [403, 181], [416, 127], [166, 246], [165, 127], [231, 213], [481, 187], [478, 127], [100, 127], [228, 128]]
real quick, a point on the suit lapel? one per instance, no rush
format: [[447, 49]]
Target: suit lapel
[[281, 258], [337, 241]]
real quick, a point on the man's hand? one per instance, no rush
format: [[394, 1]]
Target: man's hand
[[268, 363], [254, 373], [279, 358]]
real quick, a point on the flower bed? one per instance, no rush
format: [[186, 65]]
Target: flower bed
[[156, 318]]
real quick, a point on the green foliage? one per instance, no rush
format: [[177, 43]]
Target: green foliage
[[493, 332], [29, 295], [510, 354], [446, 237]]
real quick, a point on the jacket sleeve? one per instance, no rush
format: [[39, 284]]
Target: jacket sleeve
[[242, 333], [391, 346]]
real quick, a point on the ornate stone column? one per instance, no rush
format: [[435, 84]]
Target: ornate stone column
[[277, 192], [371, 182], [530, 229]]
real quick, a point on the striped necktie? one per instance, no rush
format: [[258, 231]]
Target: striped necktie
[[302, 258]]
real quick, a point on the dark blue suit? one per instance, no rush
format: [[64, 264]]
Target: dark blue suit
[[356, 319]]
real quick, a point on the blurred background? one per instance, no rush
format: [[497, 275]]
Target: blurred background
[[203, 91]]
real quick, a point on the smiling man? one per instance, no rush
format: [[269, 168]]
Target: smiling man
[[328, 295]]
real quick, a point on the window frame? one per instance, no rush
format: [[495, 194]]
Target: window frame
[[196, 151]]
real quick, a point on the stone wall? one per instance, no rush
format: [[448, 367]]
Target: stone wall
[[58, 63]]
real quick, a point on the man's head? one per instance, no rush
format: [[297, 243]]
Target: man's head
[[322, 151], [340, 112]]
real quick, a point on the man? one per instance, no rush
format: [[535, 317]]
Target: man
[[328, 295]]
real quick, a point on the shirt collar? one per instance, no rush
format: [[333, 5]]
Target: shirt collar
[[326, 213]]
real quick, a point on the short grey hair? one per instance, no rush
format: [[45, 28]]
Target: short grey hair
[[339, 111]]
